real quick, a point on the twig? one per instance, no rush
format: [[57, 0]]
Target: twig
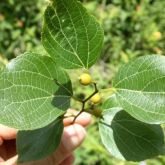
[[84, 102]]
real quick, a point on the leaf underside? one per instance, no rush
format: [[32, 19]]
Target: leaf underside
[[37, 144], [1, 66], [33, 92], [70, 35], [140, 88], [127, 138]]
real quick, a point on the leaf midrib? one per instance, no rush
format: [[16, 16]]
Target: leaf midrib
[[61, 29], [140, 107], [138, 91], [135, 74]]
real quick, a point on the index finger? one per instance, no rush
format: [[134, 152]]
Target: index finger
[[84, 119], [7, 133]]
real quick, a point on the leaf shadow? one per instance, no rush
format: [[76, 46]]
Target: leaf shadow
[[37, 148], [62, 95], [135, 140]]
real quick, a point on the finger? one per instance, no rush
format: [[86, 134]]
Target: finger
[[72, 137], [1, 160], [7, 133], [84, 119], [11, 161], [68, 161]]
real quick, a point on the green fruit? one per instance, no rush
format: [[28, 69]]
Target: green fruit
[[97, 112]]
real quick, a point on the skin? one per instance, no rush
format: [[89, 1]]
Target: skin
[[72, 138]]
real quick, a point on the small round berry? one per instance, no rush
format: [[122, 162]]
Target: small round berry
[[85, 79], [97, 112], [157, 35], [96, 98]]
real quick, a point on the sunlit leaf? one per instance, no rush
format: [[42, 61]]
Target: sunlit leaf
[[70, 35], [140, 86], [33, 92]]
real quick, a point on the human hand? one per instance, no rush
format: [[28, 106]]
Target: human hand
[[73, 136]]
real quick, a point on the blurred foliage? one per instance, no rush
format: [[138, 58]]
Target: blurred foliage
[[132, 28], [20, 26]]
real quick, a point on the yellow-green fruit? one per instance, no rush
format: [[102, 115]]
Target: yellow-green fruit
[[97, 112], [96, 98], [85, 79], [157, 35]]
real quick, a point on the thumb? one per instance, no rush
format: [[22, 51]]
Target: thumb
[[72, 138], [11, 161]]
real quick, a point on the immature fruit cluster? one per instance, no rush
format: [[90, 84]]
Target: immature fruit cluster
[[97, 112], [85, 79], [96, 98], [157, 35]]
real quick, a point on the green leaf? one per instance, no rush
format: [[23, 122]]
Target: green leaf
[[129, 139], [140, 86], [33, 92], [37, 144], [110, 108], [111, 102], [70, 35], [1, 66]]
